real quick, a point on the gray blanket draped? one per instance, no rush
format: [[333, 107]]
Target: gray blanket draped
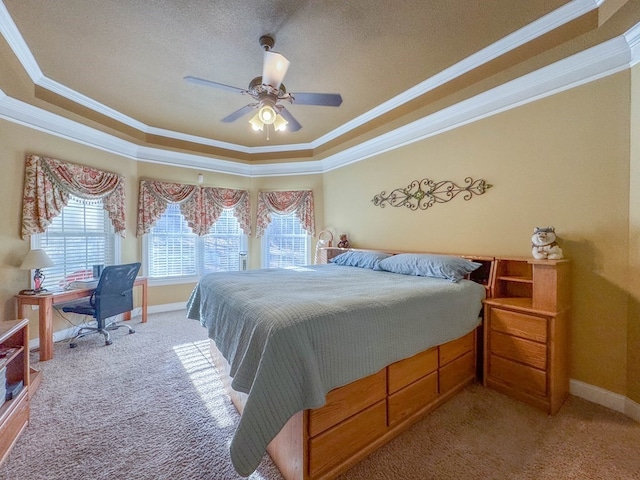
[[292, 335]]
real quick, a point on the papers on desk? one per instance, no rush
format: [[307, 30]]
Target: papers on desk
[[84, 283]]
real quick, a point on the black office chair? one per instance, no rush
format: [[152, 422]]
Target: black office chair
[[112, 296]]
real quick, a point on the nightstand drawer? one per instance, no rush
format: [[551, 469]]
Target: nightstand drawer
[[519, 324], [519, 375], [519, 349]]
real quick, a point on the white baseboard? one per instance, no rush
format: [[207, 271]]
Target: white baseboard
[[603, 397], [167, 307], [61, 335], [632, 409]]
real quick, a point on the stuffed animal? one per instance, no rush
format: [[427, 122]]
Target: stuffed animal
[[343, 243], [544, 245]]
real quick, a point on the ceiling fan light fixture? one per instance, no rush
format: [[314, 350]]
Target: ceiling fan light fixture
[[256, 123], [267, 114], [280, 124]]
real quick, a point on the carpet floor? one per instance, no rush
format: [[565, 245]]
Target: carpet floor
[[150, 406]]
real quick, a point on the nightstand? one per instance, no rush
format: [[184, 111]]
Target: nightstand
[[526, 331]]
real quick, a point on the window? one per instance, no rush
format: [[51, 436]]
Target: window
[[173, 251], [285, 242], [80, 237]]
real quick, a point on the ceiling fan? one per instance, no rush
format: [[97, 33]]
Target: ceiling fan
[[268, 91]]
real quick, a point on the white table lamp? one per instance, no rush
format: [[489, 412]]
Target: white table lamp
[[36, 260]]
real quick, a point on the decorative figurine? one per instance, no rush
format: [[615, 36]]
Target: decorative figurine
[[544, 245], [343, 243]]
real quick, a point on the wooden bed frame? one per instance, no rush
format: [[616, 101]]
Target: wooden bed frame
[[358, 418]]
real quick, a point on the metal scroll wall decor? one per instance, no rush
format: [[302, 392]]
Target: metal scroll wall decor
[[422, 194]]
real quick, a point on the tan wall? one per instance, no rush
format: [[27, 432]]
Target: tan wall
[[561, 161], [633, 341]]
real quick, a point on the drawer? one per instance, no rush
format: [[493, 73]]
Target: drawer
[[348, 400], [519, 349], [409, 370], [409, 400], [454, 373], [14, 422], [336, 445], [519, 324], [454, 349], [519, 375]]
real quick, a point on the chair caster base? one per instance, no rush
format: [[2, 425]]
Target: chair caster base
[[108, 342], [73, 345], [131, 331]]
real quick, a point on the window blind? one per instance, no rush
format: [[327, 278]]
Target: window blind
[[80, 237], [286, 243], [174, 251]]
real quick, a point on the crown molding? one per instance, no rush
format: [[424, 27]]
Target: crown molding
[[597, 62], [543, 25], [12, 35], [615, 55], [633, 40]]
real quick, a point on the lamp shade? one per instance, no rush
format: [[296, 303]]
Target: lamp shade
[[37, 258]]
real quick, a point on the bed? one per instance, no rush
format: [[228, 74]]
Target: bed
[[328, 362]]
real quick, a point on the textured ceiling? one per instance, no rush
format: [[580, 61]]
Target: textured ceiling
[[131, 55]]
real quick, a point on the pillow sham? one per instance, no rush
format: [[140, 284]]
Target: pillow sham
[[360, 259], [427, 265]]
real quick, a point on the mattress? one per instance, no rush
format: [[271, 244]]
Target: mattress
[[292, 335]]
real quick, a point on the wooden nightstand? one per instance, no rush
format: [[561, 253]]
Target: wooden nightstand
[[526, 331]]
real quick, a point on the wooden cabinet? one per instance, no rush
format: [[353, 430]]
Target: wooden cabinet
[[14, 363], [526, 334]]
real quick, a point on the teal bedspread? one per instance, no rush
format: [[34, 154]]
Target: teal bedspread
[[292, 335]]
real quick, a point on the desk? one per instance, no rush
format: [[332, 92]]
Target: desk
[[45, 303]]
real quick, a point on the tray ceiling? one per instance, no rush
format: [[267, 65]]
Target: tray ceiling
[[126, 60]]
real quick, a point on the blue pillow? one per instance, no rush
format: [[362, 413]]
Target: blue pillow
[[360, 259], [427, 265]]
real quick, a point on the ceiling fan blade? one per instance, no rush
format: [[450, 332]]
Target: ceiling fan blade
[[293, 125], [274, 69], [209, 83], [323, 99], [232, 117]]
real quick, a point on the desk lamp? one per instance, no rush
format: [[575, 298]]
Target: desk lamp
[[36, 260]]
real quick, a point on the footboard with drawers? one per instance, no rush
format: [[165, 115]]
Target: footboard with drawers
[[360, 417]]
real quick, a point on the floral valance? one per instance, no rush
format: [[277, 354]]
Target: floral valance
[[284, 203], [49, 182], [201, 206]]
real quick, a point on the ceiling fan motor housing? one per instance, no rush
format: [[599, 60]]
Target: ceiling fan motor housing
[[267, 42]]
